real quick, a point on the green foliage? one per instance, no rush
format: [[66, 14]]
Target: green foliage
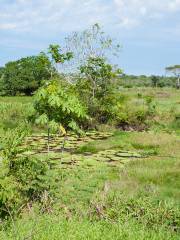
[[57, 56], [1, 71], [54, 51], [175, 124], [22, 178], [139, 201], [97, 88], [138, 115], [11, 141], [99, 76], [56, 104], [24, 76], [150, 214]]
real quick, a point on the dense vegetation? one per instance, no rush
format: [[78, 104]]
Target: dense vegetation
[[25, 75], [93, 154]]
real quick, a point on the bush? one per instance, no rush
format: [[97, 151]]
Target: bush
[[22, 179], [137, 115]]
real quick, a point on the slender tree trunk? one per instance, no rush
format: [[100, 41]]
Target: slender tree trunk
[[48, 138]]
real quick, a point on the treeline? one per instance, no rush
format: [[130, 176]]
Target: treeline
[[129, 81], [26, 75]]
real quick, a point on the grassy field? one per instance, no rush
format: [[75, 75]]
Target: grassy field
[[126, 186]]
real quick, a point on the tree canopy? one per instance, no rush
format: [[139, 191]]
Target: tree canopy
[[1, 71], [26, 74], [174, 69]]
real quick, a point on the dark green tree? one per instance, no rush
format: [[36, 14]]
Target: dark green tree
[[25, 75], [1, 71]]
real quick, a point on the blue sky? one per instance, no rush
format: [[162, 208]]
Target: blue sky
[[148, 30]]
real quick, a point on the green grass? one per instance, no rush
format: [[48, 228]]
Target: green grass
[[95, 200], [48, 227]]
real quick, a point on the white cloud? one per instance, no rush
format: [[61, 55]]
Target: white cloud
[[68, 15], [140, 10], [65, 14], [7, 26], [174, 5]]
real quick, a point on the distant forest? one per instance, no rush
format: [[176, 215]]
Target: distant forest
[[130, 81]]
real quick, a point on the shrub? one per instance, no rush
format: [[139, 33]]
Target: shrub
[[138, 115], [22, 179]]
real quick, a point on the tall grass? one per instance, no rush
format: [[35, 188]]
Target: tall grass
[[14, 111]]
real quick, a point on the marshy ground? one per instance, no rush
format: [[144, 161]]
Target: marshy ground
[[111, 184]]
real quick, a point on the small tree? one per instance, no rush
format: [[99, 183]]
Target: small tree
[[100, 76], [176, 71], [97, 87], [57, 107]]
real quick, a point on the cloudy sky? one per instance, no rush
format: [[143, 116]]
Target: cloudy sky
[[149, 30]]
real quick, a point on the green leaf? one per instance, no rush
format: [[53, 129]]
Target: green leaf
[[42, 120]]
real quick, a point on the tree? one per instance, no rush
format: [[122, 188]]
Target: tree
[[1, 71], [57, 107], [99, 75], [92, 42], [176, 71], [97, 86], [26, 75]]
